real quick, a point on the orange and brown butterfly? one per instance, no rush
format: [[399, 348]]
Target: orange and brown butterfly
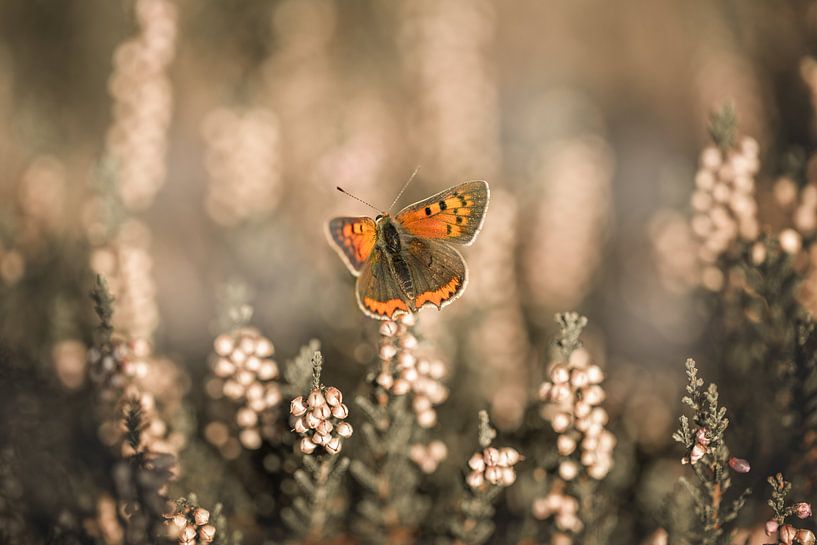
[[406, 262]]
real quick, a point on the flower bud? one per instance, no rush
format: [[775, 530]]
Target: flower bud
[[565, 444], [180, 520], [477, 462], [333, 445], [307, 446], [508, 476], [344, 429], [544, 390], [333, 396], [401, 387], [560, 422], [201, 516], [579, 378], [771, 527], [316, 399], [388, 328], [697, 453], [568, 470], [491, 456], [508, 456], [408, 341], [802, 510], [187, 534], [312, 420], [223, 345], [582, 409], [410, 375], [323, 412], [297, 406], [594, 374], [324, 428], [559, 374], [475, 479], [742, 466], [321, 438], [790, 241], [701, 437], [437, 450], [300, 426], [493, 474], [207, 533], [787, 533], [385, 380], [421, 403], [340, 411], [805, 537], [387, 352], [427, 419]]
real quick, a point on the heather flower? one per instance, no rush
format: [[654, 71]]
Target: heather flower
[[404, 371], [246, 374], [319, 418], [572, 398], [491, 465]]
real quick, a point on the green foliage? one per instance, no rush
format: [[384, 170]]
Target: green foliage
[[103, 306], [723, 125], [714, 524], [315, 512]]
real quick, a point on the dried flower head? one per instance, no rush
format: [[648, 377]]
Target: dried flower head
[[319, 418], [404, 371], [572, 398], [246, 374], [192, 522], [491, 465]]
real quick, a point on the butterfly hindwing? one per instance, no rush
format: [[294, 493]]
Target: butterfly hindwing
[[454, 215], [378, 293], [438, 272], [354, 239]]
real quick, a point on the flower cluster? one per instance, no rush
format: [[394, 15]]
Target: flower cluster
[[143, 102], [563, 507], [571, 403], [247, 375], [319, 419], [777, 527], [494, 466], [724, 205], [403, 371], [243, 162], [192, 524], [126, 262], [116, 365], [428, 457]]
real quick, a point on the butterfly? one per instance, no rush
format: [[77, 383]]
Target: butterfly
[[406, 262]]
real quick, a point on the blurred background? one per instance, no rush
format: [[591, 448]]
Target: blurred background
[[184, 147]]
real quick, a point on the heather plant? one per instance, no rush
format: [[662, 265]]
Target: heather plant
[[155, 150]]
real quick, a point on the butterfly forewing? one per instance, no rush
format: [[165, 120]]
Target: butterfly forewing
[[378, 294], [354, 239], [454, 215]]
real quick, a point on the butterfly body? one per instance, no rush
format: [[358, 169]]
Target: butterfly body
[[406, 262]]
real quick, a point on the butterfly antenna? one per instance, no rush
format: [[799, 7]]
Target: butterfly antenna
[[358, 199], [405, 185]]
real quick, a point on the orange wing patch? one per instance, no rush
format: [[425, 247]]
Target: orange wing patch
[[454, 215], [354, 239], [385, 308], [440, 296]]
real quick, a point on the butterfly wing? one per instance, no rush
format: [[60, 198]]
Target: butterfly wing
[[378, 293], [354, 239], [454, 215], [438, 272]]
